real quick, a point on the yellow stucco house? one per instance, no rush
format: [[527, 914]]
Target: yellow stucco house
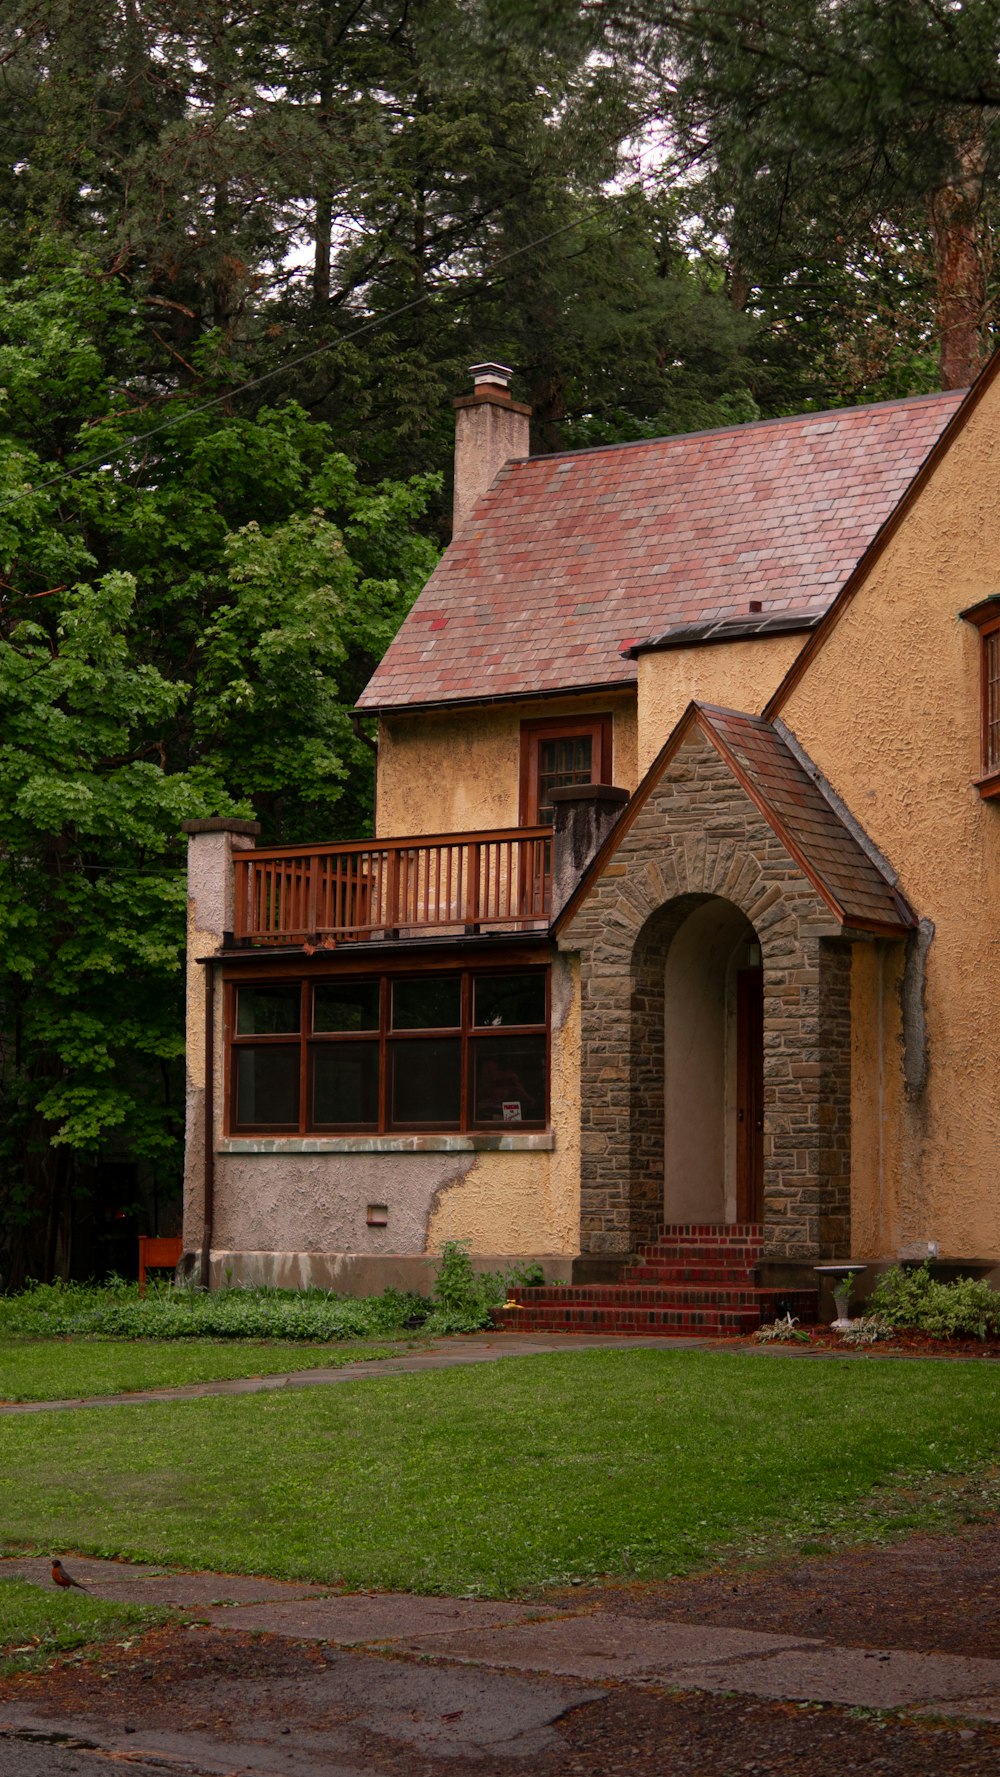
[[675, 960]]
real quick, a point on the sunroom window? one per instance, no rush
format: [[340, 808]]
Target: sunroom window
[[462, 1050]]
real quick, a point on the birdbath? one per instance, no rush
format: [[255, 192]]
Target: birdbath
[[841, 1277]]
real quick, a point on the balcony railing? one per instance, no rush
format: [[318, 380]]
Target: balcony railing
[[394, 887]]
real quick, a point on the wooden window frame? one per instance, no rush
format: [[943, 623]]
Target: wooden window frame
[[385, 1036], [985, 617], [599, 728]]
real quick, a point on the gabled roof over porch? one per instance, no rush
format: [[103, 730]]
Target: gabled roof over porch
[[828, 847]]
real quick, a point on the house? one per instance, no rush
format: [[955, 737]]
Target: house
[[684, 902]]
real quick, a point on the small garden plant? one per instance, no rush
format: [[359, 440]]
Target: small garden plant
[[783, 1331], [912, 1298], [463, 1299]]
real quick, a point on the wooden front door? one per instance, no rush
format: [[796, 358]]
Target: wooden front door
[[750, 1095]]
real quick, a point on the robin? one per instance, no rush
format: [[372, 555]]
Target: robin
[[61, 1578]]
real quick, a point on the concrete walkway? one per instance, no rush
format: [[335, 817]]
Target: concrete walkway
[[461, 1677], [471, 1348], [444, 1354]]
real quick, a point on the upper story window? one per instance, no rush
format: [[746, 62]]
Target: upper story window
[[986, 617], [456, 1051], [556, 753]]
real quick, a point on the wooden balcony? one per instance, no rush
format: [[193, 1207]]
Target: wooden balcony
[[389, 888]]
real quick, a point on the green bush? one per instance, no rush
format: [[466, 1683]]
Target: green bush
[[115, 1310], [463, 1299], [968, 1308]]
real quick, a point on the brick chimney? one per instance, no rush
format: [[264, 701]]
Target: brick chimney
[[490, 428]]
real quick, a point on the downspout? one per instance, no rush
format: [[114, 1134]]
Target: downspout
[[880, 948], [208, 1195]]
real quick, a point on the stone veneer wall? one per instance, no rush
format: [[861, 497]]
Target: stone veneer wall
[[699, 835]]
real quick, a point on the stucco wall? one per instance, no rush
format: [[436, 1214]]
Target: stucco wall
[[735, 675], [889, 711], [312, 1196], [522, 1203], [459, 772]]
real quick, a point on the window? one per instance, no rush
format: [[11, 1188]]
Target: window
[[986, 618], [456, 1051], [557, 753]]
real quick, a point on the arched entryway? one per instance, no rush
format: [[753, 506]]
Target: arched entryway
[[713, 1027]]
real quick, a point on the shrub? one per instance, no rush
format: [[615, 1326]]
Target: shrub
[[463, 1299], [967, 1308], [115, 1310]]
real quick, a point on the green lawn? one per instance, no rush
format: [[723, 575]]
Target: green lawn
[[499, 1478], [47, 1370], [36, 1624]]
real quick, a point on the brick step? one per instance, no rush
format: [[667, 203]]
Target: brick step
[[751, 1231], [701, 1254], [617, 1308], [580, 1318], [623, 1295], [670, 1271]]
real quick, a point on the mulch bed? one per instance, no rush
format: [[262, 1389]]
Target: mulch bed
[[902, 1344]]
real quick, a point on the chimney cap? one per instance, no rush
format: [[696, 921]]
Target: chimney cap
[[491, 373]]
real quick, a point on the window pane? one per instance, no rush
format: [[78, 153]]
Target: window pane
[[991, 750], [346, 1005], [267, 1086], [426, 1082], [509, 999], [345, 1085], [561, 761], [508, 1080], [268, 1011], [420, 1004]]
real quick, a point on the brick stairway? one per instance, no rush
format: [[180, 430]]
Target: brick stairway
[[693, 1279]]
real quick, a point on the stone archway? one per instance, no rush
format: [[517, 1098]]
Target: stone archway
[[699, 837]]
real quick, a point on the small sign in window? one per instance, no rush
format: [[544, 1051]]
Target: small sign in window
[[512, 1110]]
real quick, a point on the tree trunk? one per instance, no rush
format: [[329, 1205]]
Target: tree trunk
[[959, 268]]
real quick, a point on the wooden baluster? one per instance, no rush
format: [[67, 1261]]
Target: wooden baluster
[[392, 892]]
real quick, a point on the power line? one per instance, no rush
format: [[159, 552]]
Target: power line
[[369, 326]]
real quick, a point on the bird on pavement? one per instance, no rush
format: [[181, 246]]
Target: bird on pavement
[[62, 1578]]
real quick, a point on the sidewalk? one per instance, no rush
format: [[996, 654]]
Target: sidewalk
[[450, 1678], [471, 1348]]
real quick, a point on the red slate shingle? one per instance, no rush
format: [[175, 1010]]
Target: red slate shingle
[[576, 551], [803, 817]]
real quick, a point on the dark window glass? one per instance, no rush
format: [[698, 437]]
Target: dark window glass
[[345, 1085], [509, 999], [508, 1079], [267, 1086], [426, 1083], [349, 1005], [561, 761], [991, 761], [422, 1004], [268, 1011]]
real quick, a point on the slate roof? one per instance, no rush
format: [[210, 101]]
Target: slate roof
[[808, 823], [570, 558]]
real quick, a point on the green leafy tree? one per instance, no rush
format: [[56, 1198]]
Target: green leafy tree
[[186, 614]]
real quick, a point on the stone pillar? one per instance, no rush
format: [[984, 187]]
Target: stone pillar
[[211, 848], [490, 428], [582, 817]]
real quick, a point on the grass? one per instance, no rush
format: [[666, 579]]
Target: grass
[[501, 1478], [51, 1370], [35, 1624]]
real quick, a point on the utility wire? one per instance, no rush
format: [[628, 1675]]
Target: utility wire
[[374, 321]]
